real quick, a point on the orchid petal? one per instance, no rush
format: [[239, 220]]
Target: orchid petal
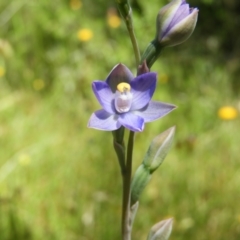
[[131, 121], [104, 95], [102, 120], [142, 89], [155, 110], [120, 73], [166, 14], [182, 12]]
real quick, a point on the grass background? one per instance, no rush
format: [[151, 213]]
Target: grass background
[[60, 180]]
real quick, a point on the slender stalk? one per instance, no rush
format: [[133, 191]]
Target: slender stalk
[[119, 146], [134, 41], [126, 225], [126, 12]]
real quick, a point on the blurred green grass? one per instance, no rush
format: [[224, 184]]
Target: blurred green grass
[[60, 180]]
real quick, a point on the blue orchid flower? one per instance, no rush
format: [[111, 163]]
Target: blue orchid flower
[[126, 101]]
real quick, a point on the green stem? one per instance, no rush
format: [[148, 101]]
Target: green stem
[[126, 12], [151, 53], [126, 225], [134, 41], [119, 146]]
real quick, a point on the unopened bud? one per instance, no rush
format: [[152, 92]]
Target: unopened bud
[[140, 179], [159, 149], [161, 230], [175, 23]]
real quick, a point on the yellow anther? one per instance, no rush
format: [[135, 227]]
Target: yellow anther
[[123, 87]]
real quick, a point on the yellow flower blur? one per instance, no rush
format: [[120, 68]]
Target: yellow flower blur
[[75, 4], [227, 113], [85, 34], [114, 21], [2, 71]]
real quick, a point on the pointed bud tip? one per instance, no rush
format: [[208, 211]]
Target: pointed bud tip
[[143, 68], [161, 230]]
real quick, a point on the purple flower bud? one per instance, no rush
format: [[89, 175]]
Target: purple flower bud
[[143, 68], [175, 23]]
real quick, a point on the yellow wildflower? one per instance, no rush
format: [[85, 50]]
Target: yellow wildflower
[[85, 34], [227, 113], [2, 71], [114, 21], [75, 4], [38, 84]]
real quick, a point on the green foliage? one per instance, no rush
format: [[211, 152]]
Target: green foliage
[[60, 180]]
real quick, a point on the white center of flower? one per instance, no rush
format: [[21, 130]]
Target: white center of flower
[[123, 97]]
